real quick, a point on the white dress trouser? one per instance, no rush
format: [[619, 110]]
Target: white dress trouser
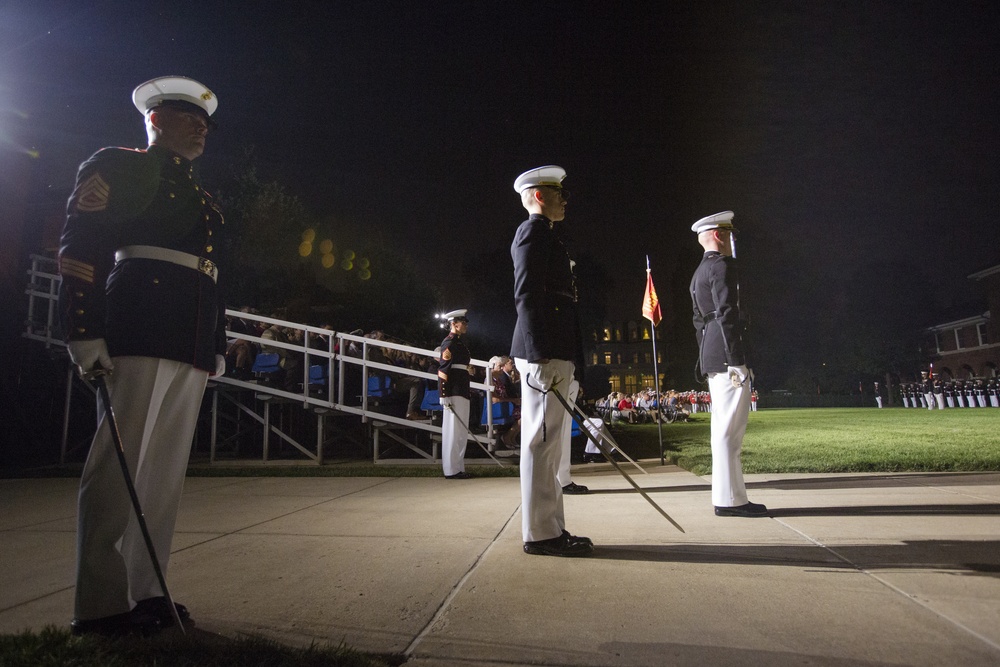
[[542, 433], [730, 410], [454, 435], [599, 430], [567, 437], [156, 404]]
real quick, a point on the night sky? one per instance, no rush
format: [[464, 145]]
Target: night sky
[[842, 134]]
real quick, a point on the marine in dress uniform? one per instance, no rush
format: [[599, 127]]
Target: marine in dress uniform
[[927, 387], [722, 358], [139, 299], [453, 384], [548, 351]]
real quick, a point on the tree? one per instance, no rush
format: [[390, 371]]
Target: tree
[[264, 225]]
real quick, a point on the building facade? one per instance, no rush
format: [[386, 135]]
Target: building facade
[[969, 347], [624, 350]]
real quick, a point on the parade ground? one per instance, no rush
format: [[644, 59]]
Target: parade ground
[[849, 569]]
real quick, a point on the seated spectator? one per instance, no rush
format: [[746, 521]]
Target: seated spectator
[[410, 385], [504, 391], [626, 408], [240, 354]]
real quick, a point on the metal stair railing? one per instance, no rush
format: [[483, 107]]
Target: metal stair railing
[[42, 325]]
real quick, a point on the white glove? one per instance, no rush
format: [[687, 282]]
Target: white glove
[[220, 366], [738, 375], [88, 354], [446, 401], [544, 375]]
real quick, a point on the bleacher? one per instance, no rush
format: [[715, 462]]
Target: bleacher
[[332, 386]]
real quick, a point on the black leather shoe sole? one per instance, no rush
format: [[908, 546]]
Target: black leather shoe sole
[[118, 625], [459, 475], [566, 545], [750, 511], [574, 489], [160, 608]]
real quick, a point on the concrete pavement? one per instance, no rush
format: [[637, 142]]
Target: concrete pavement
[[879, 569]]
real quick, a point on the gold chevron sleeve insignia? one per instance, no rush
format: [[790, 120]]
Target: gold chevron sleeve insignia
[[93, 194], [72, 268]]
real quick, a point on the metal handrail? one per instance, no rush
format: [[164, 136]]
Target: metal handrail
[[43, 286]]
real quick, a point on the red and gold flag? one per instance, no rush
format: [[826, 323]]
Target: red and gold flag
[[650, 303]]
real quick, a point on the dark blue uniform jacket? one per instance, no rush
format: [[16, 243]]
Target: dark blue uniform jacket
[[544, 296], [717, 323], [141, 307]]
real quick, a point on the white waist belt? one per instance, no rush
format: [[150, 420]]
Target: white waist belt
[[177, 257], [459, 367]]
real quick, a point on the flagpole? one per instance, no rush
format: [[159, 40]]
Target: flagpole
[[656, 379]]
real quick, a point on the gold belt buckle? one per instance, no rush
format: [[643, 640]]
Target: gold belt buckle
[[206, 266]]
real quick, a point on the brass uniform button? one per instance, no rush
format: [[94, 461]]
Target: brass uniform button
[[172, 195], [208, 248]]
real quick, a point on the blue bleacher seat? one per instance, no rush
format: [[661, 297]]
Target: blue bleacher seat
[[379, 386], [318, 375], [503, 413], [267, 362], [431, 401]]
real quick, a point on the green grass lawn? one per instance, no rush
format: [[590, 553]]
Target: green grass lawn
[[837, 440], [53, 647]]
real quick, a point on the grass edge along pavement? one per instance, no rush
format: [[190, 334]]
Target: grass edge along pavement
[[799, 440], [52, 647], [836, 440]]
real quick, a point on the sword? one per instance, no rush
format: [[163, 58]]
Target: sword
[[607, 455], [96, 376], [478, 441]]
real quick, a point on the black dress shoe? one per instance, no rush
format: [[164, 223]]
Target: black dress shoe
[[117, 625], [750, 510], [565, 545], [574, 489], [593, 458], [577, 538], [459, 475], [160, 608]]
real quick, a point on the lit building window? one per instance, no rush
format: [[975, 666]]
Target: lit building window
[[607, 357]]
